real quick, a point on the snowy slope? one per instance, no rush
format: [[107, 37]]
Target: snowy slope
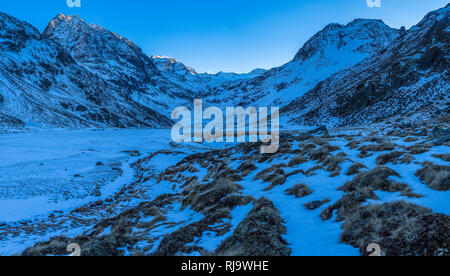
[[119, 61]]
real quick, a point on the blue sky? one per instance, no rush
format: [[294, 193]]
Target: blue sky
[[217, 35]]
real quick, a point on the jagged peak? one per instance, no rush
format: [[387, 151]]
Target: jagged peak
[[74, 21], [64, 27], [60, 18], [364, 21]]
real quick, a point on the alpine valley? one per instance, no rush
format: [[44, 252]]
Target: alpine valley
[[86, 154]]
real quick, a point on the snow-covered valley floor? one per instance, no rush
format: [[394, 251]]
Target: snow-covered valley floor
[[154, 197], [54, 172]]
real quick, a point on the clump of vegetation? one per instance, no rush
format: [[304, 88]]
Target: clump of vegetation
[[401, 229], [367, 150], [355, 169], [274, 175], [436, 177], [203, 197], [411, 139], [418, 149], [297, 160], [246, 168], [348, 204], [299, 190], [322, 153], [312, 170], [363, 187], [316, 204], [353, 144], [376, 179], [259, 234], [445, 157], [392, 157], [332, 164]]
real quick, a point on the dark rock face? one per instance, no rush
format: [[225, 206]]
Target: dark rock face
[[8, 121], [15, 33]]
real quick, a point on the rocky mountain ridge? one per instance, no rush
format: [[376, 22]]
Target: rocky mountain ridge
[[77, 74]]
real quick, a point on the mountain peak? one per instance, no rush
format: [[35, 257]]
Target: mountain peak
[[167, 64], [60, 19], [97, 48], [366, 22]]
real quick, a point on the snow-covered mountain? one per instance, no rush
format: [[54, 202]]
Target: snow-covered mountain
[[410, 75], [77, 82], [203, 84], [335, 48], [80, 74]]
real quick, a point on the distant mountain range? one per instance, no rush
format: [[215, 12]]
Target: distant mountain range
[[78, 75]]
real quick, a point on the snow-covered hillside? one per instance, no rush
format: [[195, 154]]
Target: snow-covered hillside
[[111, 82], [333, 49], [42, 85], [379, 172], [407, 77]]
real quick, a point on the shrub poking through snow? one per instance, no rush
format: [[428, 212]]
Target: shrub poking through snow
[[376, 179], [332, 164], [362, 187], [355, 169], [353, 144], [401, 229], [275, 175], [246, 168], [367, 150], [299, 190], [445, 157], [259, 234], [392, 157], [418, 148], [297, 160], [348, 204], [316, 204], [436, 177]]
